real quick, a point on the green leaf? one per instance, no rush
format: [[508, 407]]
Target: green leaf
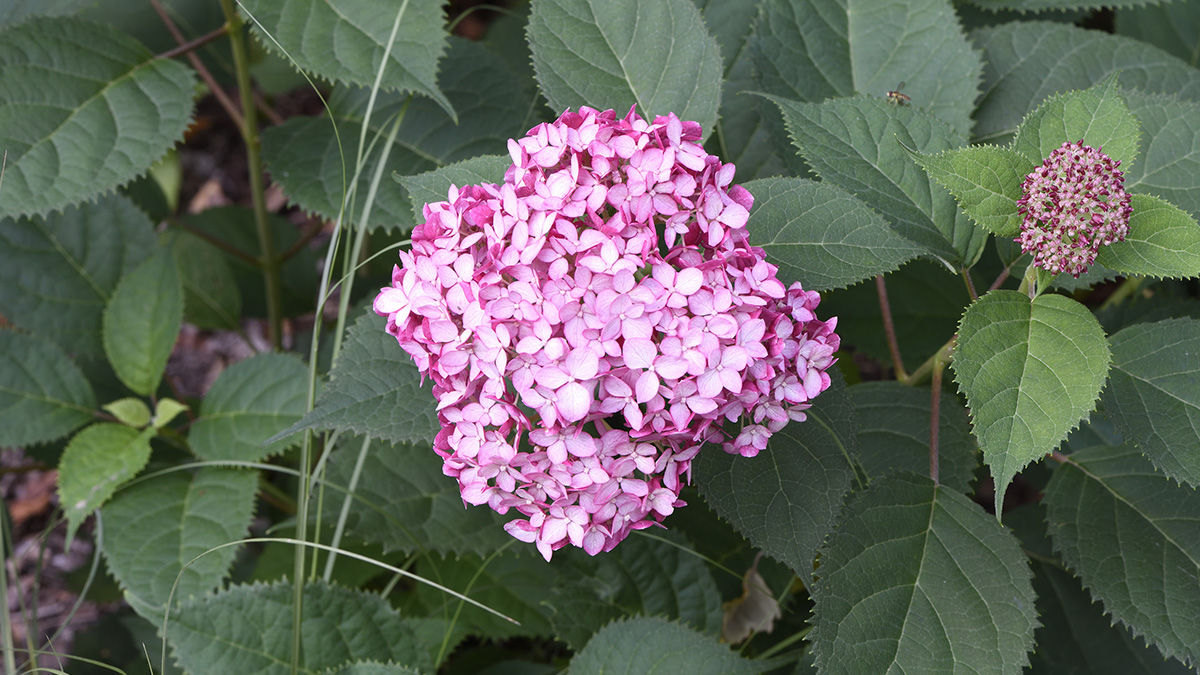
[[986, 181], [132, 412], [1097, 115], [1049, 5], [372, 668], [344, 41], [250, 402], [1169, 26], [43, 394], [821, 235], [65, 81], [816, 49], [433, 186], [656, 646], [154, 528], [235, 226], [1031, 371], [404, 502], [142, 322], [1031, 60], [1163, 241], [1154, 396], [13, 11], [1169, 165], [167, 410], [515, 584], [1131, 536], [248, 629], [95, 463], [644, 575], [919, 579], [855, 143], [211, 298], [614, 54], [787, 498], [1077, 639], [59, 272], [893, 433], [374, 389], [306, 160]]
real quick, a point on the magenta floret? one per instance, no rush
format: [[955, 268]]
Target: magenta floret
[[595, 319], [1073, 204]]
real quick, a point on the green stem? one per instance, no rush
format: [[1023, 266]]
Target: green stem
[[268, 256], [889, 328], [6, 641], [1123, 291], [925, 370]]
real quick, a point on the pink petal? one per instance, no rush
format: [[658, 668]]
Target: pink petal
[[552, 377], [639, 353], [573, 401], [582, 363], [647, 386]]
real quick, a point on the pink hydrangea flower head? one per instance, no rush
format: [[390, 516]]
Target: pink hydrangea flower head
[[595, 319], [1073, 204]]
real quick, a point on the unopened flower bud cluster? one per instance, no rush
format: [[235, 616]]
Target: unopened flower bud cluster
[[1073, 204], [595, 319]]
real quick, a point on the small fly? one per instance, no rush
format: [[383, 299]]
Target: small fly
[[896, 98]]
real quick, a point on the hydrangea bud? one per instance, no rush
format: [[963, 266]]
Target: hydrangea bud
[[1073, 204], [595, 319]]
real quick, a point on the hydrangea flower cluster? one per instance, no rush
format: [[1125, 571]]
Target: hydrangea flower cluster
[[1073, 204], [593, 320]]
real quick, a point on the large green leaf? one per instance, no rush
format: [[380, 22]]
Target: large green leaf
[[142, 321], [1133, 537], [787, 498], [1163, 241], [1169, 161], [210, 294], [1154, 394], [1050, 5], [656, 646], [154, 528], [248, 629], [374, 389], [344, 40], [919, 579], [372, 668], [816, 49], [859, 144], [250, 402], [1169, 26], [893, 433], [57, 273], [518, 584], [1031, 372], [84, 108], [404, 502], [94, 464], [821, 235], [434, 186], [1097, 115], [644, 575], [43, 394], [986, 181], [306, 160], [1026, 61], [619, 53]]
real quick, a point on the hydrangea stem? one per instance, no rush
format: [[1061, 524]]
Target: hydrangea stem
[[935, 414], [889, 328], [268, 258]]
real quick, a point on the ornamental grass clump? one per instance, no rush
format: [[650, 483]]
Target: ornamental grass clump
[[595, 319], [1073, 204]]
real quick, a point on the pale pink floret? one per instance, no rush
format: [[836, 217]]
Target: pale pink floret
[[1073, 204], [554, 292]]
